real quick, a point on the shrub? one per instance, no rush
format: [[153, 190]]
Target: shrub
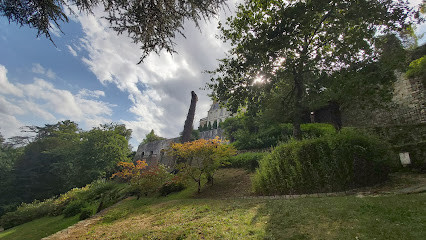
[[417, 68], [96, 189], [201, 158], [27, 212], [248, 160], [331, 163], [73, 208], [405, 138], [315, 130], [86, 213], [171, 187], [272, 135], [69, 203], [150, 180]]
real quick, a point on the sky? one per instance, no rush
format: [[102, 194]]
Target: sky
[[92, 77]]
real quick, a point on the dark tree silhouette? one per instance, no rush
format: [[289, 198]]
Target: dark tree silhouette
[[187, 129], [152, 24]]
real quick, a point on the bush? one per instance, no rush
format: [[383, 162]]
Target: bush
[[171, 187], [315, 130], [417, 68], [331, 163], [69, 203], [272, 135], [248, 160], [73, 208], [405, 138], [86, 213], [27, 212], [150, 180], [98, 188]]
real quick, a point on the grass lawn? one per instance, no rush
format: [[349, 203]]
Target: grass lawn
[[38, 229], [350, 217], [219, 213]]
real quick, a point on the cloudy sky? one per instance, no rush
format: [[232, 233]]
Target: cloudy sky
[[91, 77]]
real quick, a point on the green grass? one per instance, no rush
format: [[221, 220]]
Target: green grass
[[384, 217], [187, 215], [38, 229]]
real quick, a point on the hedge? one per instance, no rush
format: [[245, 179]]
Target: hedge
[[330, 163]]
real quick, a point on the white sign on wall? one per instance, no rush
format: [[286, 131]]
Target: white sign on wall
[[405, 158]]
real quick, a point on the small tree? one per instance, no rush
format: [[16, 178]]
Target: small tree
[[151, 137], [201, 157], [209, 127], [144, 181]]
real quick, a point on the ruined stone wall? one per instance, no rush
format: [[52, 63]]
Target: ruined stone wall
[[155, 153], [408, 107], [211, 134]]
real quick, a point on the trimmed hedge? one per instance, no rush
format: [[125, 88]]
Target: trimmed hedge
[[331, 163], [248, 160]]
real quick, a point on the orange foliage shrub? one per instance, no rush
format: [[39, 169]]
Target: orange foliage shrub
[[144, 180], [130, 170], [201, 157]]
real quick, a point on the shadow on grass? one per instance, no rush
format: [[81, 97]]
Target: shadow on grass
[[385, 217]]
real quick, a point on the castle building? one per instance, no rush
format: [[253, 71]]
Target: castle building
[[216, 113]]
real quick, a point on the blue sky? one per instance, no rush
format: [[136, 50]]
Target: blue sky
[[91, 77]]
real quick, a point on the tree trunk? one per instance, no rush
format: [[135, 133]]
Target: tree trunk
[[336, 117], [298, 110], [187, 129]]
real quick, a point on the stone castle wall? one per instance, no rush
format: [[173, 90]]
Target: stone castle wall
[[210, 134], [408, 107], [155, 153]]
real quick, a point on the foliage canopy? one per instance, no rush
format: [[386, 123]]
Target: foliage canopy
[[151, 137], [153, 24], [201, 158], [286, 46]]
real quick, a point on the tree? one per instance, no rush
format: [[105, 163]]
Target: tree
[[209, 126], [102, 148], [188, 127], [286, 46], [201, 158], [48, 164], [151, 137], [153, 24], [215, 124]]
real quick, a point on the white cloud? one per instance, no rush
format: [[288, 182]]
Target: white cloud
[[50, 74], [5, 86], [89, 93], [9, 125], [72, 51], [8, 108], [39, 69], [41, 99], [53, 29], [159, 88]]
